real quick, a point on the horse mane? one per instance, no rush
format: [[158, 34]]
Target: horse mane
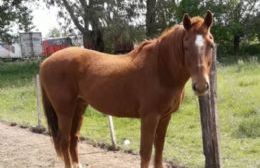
[[135, 52], [167, 34], [195, 21], [142, 44]]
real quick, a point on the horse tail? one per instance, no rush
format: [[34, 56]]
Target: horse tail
[[52, 121]]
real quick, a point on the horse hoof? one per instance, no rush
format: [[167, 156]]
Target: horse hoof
[[77, 165]]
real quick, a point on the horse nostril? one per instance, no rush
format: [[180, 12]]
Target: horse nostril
[[194, 86], [207, 86], [200, 88]]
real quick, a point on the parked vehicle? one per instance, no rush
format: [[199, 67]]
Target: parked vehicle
[[26, 46], [31, 44], [54, 44], [10, 50]]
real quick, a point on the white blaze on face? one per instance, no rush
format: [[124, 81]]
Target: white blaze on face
[[199, 42]]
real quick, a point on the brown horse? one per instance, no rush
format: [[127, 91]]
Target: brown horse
[[147, 83]]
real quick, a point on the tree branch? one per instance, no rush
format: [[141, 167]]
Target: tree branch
[[72, 15], [83, 3], [250, 9], [85, 8]]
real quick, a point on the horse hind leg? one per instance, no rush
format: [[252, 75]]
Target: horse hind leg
[[59, 113], [65, 112], [64, 139], [76, 125]]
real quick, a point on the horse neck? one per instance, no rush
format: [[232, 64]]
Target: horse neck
[[171, 67]]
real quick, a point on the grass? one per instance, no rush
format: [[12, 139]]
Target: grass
[[17, 93], [238, 106]]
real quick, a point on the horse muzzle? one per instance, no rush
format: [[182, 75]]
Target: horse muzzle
[[200, 89]]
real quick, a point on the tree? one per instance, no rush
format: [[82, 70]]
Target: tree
[[92, 17], [98, 20], [159, 15], [54, 33], [193, 8], [85, 16], [14, 13], [255, 21], [125, 26], [231, 18], [239, 14], [150, 18]]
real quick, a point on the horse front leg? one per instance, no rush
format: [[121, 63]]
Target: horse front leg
[[159, 141], [148, 127]]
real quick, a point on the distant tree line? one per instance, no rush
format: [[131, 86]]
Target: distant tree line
[[14, 14], [104, 23]]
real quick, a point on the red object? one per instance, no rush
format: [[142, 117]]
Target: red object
[[52, 45]]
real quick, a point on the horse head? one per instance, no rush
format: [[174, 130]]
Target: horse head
[[198, 45]]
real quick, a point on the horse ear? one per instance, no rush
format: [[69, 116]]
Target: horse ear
[[208, 19], [186, 21]]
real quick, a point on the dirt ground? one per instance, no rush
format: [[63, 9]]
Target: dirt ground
[[20, 148]]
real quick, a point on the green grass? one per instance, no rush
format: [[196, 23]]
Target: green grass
[[238, 106], [17, 92]]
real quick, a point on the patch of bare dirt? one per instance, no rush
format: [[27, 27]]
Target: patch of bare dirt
[[20, 148]]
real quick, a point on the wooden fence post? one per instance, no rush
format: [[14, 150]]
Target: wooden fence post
[[39, 128], [38, 100], [112, 131], [209, 120]]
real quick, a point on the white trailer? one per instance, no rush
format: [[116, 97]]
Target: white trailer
[[28, 45], [10, 51], [31, 44]]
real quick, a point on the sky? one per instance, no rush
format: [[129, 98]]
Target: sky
[[45, 19]]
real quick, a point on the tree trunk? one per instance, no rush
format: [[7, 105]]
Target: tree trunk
[[150, 18], [94, 40], [236, 43], [99, 42], [85, 41]]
